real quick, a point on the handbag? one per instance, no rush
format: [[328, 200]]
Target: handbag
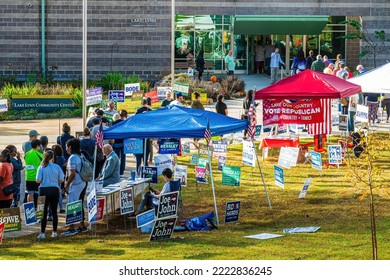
[[10, 189]]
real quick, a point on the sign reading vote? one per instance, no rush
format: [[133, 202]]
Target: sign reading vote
[[334, 152], [305, 188], [168, 146], [126, 201], [279, 176], [92, 204], [163, 229], [99, 211], [232, 211], [167, 206], [145, 218], [29, 213], [231, 176], [74, 212], [133, 146], [116, 95], [11, 218], [316, 160], [150, 172]]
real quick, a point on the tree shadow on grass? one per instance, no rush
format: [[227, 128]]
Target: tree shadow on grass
[[96, 252]]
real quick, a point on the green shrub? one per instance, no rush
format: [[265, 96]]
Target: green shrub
[[112, 80]]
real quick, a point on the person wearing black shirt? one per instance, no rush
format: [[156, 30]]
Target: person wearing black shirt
[[221, 107]]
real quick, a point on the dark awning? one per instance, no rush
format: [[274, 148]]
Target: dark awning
[[279, 25]]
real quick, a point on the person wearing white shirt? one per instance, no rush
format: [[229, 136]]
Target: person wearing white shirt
[[178, 101]]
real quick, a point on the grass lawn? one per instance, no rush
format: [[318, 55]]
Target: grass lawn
[[332, 203]]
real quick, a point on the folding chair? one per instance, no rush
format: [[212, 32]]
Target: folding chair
[[175, 186]]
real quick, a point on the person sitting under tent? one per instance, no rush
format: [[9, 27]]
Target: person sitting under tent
[[151, 198], [110, 171]]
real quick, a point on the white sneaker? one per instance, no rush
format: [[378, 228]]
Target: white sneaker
[[54, 234], [41, 236]]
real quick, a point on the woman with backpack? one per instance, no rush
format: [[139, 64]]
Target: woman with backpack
[[74, 185], [49, 176]]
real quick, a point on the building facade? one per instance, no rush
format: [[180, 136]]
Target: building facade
[[134, 37]]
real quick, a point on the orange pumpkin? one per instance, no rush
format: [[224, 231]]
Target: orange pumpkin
[[214, 79]]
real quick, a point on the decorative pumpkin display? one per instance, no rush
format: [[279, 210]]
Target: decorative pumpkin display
[[214, 79]]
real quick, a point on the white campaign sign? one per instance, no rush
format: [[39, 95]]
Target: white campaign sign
[[92, 204], [3, 105], [248, 153], [130, 88], [162, 162], [181, 173], [288, 157], [361, 113], [305, 188]]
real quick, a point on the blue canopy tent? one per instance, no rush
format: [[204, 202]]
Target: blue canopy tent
[[176, 122]]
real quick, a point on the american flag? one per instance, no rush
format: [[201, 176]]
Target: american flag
[[253, 121], [324, 127], [99, 136], [207, 133]]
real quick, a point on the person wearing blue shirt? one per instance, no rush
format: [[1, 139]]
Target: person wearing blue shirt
[[110, 171], [49, 176], [276, 60]]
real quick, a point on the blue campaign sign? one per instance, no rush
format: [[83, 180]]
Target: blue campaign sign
[[279, 176], [334, 152], [168, 146], [145, 218], [126, 201], [133, 146], [258, 130], [29, 213], [150, 172], [316, 161], [116, 95]]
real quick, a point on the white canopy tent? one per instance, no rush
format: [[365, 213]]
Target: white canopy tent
[[375, 80]]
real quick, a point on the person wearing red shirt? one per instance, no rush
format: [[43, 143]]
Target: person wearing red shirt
[[6, 170]]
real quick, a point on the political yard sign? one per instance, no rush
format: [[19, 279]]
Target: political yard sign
[[168, 205], [220, 146], [11, 218], [133, 146], [162, 162], [200, 174], [94, 96], [279, 176], [99, 211], [181, 173], [29, 213], [231, 176], [74, 212], [92, 204], [232, 211], [130, 88], [126, 201], [185, 147], [2, 225], [168, 146], [163, 229], [40, 207], [316, 161], [150, 172], [116, 95], [334, 152], [221, 162], [305, 188], [145, 218], [361, 113], [248, 153]]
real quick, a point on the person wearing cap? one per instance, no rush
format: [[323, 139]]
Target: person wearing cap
[[99, 114], [179, 99], [167, 100], [33, 134]]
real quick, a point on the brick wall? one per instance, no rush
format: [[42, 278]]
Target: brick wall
[[134, 36]]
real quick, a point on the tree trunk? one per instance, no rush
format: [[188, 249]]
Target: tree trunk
[[373, 228]]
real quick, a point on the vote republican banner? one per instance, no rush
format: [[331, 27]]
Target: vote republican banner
[[280, 111]]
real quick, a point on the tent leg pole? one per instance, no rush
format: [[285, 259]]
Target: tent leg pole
[[212, 185], [262, 176]]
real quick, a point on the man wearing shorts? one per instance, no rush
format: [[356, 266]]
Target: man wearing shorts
[[33, 159]]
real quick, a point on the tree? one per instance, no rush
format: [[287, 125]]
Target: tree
[[374, 43], [366, 174]]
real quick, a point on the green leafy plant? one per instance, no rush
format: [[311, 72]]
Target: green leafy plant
[[374, 43], [112, 80]]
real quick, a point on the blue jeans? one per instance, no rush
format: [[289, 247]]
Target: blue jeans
[[149, 201], [351, 121]]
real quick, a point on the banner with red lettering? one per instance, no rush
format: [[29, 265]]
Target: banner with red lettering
[[1, 232], [153, 95], [280, 111]]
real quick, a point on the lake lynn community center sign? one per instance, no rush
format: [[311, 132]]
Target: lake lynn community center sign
[[43, 103]]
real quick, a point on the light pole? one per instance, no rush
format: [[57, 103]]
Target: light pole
[[173, 43], [84, 75]]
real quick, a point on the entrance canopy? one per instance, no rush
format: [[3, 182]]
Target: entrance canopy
[[309, 84], [375, 80], [279, 25], [174, 122]]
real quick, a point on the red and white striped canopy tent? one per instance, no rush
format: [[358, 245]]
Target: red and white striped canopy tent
[[311, 84]]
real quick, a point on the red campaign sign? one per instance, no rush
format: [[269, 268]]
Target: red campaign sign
[[280, 111], [153, 95], [2, 225]]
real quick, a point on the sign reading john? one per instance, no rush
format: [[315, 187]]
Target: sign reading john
[[127, 201], [168, 146], [163, 229], [116, 95], [11, 218], [74, 212], [168, 204], [232, 211]]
